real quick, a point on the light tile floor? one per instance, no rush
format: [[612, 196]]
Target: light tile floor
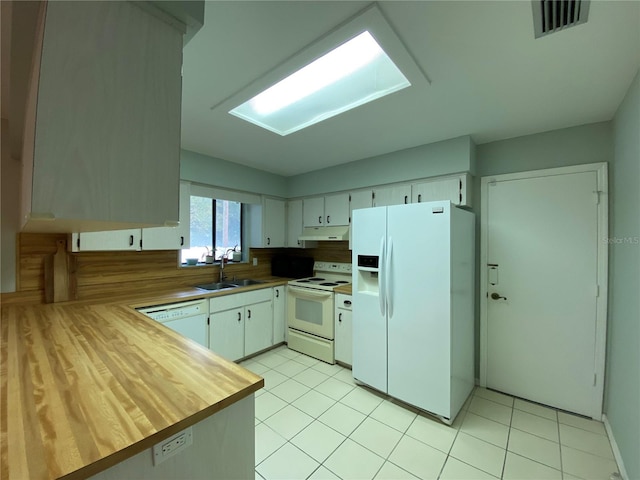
[[313, 421]]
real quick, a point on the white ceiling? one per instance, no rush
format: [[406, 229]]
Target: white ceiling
[[489, 77]]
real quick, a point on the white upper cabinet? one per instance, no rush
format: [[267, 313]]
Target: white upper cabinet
[[360, 199], [313, 212], [392, 195], [294, 223], [332, 210], [155, 238], [104, 241], [171, 238], [456, 189], [268, 224], [336, 209], [102, 132]]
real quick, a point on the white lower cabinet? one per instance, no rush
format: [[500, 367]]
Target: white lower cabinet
[[258, 327], [279, 314], [343, 330], [241, 324], [226, 332]]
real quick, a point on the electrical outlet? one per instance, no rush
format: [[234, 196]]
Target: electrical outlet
[[172, 445], [255, 261]]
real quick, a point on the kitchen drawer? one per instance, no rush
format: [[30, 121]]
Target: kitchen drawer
[[257, 296], [239, 300]]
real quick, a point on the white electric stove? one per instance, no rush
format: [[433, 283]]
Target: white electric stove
[[310, 310]]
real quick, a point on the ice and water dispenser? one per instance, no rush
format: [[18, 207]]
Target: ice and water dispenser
[[368, 270]]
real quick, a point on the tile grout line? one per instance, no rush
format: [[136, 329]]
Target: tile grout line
[[506, 448], [562, 472]]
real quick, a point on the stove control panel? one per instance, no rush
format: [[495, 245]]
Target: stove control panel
[[344, 268]]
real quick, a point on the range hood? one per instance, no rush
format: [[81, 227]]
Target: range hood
[[325, 233]]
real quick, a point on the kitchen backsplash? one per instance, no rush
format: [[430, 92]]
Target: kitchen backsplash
[[105, 274]]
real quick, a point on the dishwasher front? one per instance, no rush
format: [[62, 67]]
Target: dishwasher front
[[187, 318]]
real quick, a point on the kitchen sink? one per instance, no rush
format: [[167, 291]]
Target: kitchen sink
[[217, 286], [232, 284], [246, 282]]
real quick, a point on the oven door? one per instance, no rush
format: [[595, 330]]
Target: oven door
[[310, 311]]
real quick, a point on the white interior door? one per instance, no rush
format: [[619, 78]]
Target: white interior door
[[541, 333]]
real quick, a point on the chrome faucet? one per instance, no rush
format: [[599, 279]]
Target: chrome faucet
[[222, 262]]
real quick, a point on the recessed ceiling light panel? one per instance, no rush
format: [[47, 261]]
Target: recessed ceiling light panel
[[354, 73], [359, 61]]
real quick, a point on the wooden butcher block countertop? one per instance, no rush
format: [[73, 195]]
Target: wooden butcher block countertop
[[87, 385]]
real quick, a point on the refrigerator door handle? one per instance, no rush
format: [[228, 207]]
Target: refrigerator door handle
[[381, 273], [388, 278]]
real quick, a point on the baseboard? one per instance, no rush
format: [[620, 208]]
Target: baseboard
[[614, 447]]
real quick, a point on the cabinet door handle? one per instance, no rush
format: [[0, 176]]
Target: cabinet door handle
[[277, 293], [405, 199], [248, 313], [239, 316], [131, 240], [347, 303], [328, 219], [320, 219], [268, 240], [298, 242], [419, 197], [340, 317], [181, 241]]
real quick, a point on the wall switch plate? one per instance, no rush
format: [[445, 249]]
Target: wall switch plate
[[255, 261], [172, 445]]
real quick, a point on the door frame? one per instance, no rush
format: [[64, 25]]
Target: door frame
[[602, 267]]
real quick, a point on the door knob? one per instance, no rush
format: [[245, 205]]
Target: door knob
[[497, 296]]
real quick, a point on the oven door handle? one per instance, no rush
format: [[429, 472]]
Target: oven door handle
[[309, 292]]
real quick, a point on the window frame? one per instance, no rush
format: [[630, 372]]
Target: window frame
[[242, 229]]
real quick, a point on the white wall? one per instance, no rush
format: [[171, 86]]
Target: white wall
[[622, 392], [199, 168], [434, 159], [590, 143]]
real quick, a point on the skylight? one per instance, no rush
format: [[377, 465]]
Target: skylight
[[354, 73]]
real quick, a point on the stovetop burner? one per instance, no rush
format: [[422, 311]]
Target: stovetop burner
[[328, 276]]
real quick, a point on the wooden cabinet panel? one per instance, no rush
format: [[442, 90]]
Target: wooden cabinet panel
[[336, 209], [242, 323], [267, 222], [171, 238], [394, 195], [313, 212], [258, 327], [455, 189], [105, 241], [274, 222], [226, 333], [103, 149], [294, 223]]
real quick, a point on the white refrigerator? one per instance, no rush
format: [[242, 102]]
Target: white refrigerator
[[413, 304]]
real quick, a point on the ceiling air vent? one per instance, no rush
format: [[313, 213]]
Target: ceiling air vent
[[551, 16]]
